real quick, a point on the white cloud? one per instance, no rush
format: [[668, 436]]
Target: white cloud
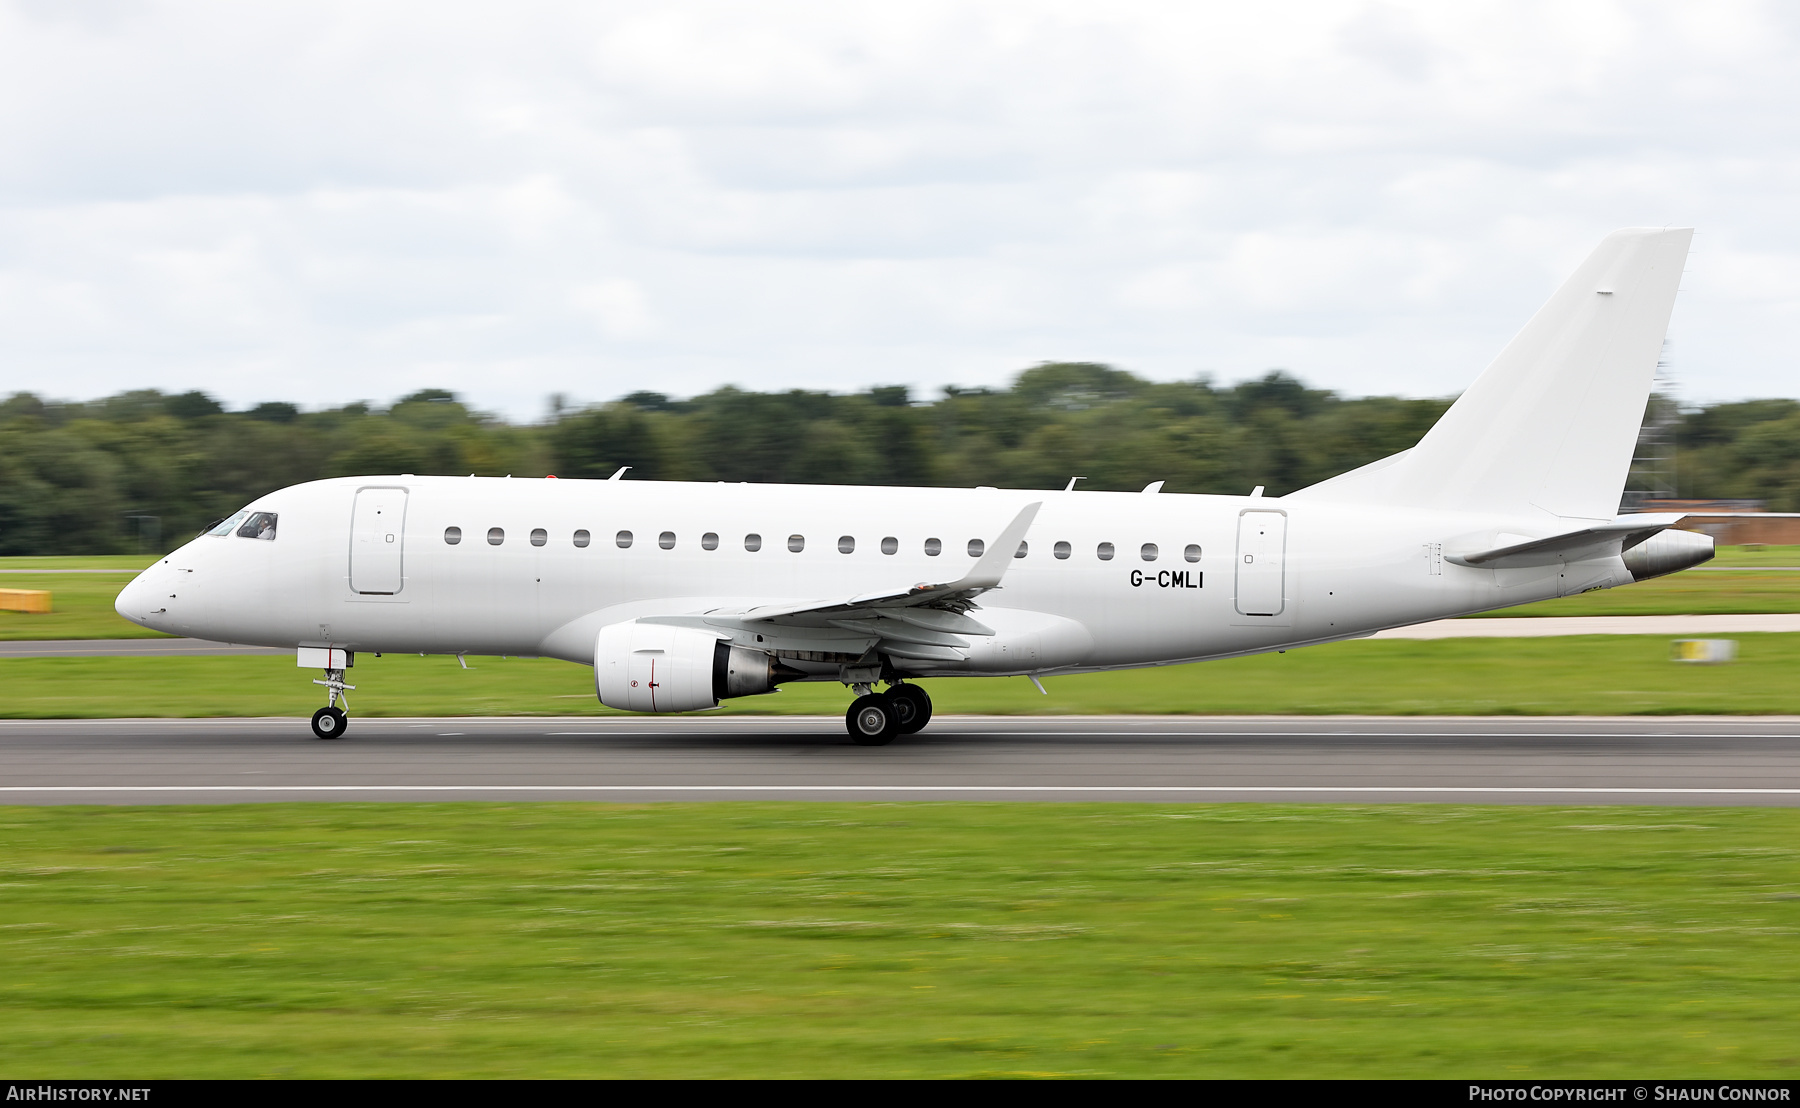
[[326, 202], [618, 307]]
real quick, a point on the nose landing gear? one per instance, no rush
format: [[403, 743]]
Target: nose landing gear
[[330, 721]]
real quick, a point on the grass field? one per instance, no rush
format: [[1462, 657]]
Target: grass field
[[1234, 940], [82, 608], [1738, 592], [1574, 675], [83, 602], [1707, 592], [1740, 556], [125, 563]]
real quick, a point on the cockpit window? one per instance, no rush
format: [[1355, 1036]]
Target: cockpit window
[[259, 526], [227, 526]]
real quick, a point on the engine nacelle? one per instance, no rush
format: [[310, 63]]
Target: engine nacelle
[[1666, 552], [653, 667]]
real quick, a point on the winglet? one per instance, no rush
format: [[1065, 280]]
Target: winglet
[[989, 568], [984, 575]]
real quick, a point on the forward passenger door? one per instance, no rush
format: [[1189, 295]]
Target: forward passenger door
[[377, 541]]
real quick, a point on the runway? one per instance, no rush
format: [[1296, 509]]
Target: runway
[[1630, 760]]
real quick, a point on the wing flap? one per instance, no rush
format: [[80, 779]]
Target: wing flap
[[892, 630], [921, 652]]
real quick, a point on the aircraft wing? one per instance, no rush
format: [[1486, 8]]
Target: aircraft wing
[[1625, 530], [948, 595], [926, 621]]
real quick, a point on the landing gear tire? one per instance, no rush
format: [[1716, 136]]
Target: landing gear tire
[[329, 723], [871, 721], [911, 707]]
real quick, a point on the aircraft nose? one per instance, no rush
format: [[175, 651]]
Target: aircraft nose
[[133, 601]]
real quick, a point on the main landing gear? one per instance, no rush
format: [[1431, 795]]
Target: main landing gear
[[876, 719], [330, 721]]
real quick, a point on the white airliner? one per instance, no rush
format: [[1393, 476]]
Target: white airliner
[[683, 594]]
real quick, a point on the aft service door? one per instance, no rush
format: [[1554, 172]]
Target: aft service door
[[1261, 553], [377, 533]]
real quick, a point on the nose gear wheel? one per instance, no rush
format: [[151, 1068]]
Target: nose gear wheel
[[329, 723]]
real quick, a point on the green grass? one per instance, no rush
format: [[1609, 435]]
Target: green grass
[[83, 602], [81, 608], [1704, 593], [129, 563], [1739, 592], [1741, 556], [835, 940], [1573, 675]]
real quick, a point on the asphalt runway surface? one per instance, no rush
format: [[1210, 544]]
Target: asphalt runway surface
[[1657, 761]]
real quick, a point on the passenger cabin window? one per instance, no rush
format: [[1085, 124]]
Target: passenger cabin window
[[496, 536], [582, 538], [666, 540], [452, 535], [846, 544], [752, 543], [890, 545], [1104, 551], [1148, 552], [1024, 549], [227, 526], [976, 546], [933, 548], [1062, 550], [539, 536], [624, 540], [1192, 553], [709, 541], [259, 526], [796, 543]]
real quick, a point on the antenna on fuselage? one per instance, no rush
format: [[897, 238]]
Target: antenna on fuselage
[[619, 474], [1070, 487]]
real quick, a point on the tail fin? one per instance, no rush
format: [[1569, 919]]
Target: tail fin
[[1550, 426]]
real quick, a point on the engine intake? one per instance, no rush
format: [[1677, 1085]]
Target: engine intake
[[651, 667]]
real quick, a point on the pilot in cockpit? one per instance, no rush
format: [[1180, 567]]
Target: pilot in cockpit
[[260, 525]]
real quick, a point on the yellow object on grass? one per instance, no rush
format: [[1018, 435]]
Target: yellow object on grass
[[24, 600]]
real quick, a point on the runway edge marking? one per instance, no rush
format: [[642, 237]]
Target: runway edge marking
[[1355, 789]]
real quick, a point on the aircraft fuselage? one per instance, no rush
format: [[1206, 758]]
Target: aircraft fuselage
[[1107, 580]]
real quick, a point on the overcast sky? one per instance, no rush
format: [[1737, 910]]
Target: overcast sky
[[326, 202]]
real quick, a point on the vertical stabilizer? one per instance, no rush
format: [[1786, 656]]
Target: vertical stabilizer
[[1550, 426]]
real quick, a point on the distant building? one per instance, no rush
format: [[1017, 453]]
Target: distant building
[[1732, 522]]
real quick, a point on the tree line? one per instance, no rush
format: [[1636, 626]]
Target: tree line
[[146, 470]]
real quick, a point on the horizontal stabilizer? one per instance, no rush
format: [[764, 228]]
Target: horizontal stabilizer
[[1624, 532]]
